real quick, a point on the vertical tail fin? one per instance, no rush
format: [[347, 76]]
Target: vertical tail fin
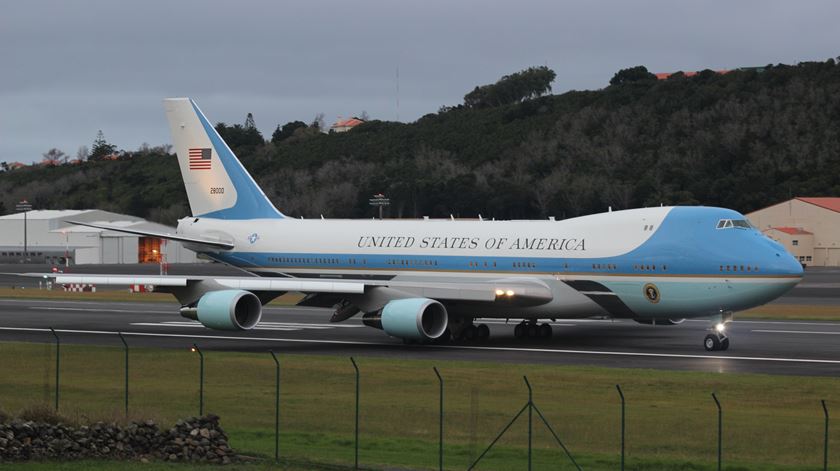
[[217, 184]]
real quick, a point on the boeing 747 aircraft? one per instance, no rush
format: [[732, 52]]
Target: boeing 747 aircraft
[[430, 280]]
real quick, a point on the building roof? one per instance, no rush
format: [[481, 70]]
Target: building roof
[[665, 75], [347, 123], [829, 203], [47, 214], [791, 230]]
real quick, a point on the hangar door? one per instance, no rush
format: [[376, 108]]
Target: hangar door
[[111, 250]]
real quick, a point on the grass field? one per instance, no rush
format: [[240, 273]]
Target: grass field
[[770, 422]]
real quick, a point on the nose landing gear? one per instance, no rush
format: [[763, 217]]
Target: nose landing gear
[[717, 340]]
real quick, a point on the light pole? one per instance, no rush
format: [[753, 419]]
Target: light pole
[[380, 200], [25, 207]]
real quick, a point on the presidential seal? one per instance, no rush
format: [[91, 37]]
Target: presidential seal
[[651, 293]]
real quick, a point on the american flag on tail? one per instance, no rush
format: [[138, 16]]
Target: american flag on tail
[[200, 159]]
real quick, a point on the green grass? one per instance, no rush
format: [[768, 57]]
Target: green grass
[[770, 422]]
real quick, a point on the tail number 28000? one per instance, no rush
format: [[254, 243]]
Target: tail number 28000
[[217, 190]]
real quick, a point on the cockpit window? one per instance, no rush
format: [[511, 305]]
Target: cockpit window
[[730, 223]]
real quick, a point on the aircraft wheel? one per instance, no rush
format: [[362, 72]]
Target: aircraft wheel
[[711, 342], [724, 344], [519, 331], [532, 330], [483, 332], [470, 333], [545, 331]]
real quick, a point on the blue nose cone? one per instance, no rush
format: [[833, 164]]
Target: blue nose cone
[[780, 262]]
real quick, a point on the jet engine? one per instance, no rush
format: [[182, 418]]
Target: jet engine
[[230, 309], [412, 318]]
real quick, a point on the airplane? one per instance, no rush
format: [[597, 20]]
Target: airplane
[[430, 281]]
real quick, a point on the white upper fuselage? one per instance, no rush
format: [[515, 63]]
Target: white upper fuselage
[[698, 268]]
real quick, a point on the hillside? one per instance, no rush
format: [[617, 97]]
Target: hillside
[[742, 140]]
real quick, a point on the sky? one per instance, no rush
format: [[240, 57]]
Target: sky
[[71, 68]]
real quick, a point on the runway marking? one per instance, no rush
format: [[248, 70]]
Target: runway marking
[[736, 321], [85, 309], [796, 332], [450, 347]]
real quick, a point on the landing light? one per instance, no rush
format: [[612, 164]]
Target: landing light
[[720, 327], [500, 292], [509, 292]]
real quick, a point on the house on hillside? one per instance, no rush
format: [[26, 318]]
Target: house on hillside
[[344, 125]]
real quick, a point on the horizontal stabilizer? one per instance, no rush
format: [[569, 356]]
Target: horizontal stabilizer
[[160, 235]]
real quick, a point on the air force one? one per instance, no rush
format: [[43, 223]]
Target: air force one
[[430, 280]]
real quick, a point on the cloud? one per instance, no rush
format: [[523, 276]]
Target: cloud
[[71, 68]]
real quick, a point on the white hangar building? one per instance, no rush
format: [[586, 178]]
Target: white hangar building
[[50, 238]]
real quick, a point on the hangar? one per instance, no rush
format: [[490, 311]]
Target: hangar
[[47, 236], [808, 227]]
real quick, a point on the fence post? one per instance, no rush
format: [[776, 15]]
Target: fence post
[[530, 418], [440, 444], [356, 367], [57, 365], [825, 448], [620, 393], [125, 347], [720, 431], [276, 406], [200, 380]]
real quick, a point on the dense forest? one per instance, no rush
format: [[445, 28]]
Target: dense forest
[[744, 139]]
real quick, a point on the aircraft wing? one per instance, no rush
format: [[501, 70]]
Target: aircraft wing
[[517, 290], [232, 282], [214, 243]]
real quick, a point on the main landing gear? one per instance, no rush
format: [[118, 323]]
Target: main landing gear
[[717, 340], [531, 329], [463, 329], [473, 332]]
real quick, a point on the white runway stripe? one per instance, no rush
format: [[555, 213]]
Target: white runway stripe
[[796, 332], [448, 347], [87, 309]]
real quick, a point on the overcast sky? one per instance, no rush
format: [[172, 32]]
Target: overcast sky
[[70, 68]]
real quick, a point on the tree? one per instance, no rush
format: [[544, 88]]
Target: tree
[[318, 122], [633, 74], [288, 129], [364, 116], [237, 136], [249, 122], [54, 157], [101, 147], [82, 153], [524, 85]]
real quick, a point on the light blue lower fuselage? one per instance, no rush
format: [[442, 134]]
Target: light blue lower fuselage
[[687, 267]]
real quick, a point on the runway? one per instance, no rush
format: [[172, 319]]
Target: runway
[[772, 347]]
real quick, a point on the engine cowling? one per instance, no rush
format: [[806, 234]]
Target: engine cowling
[[230, 309], [414, 318], [659, 321]]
